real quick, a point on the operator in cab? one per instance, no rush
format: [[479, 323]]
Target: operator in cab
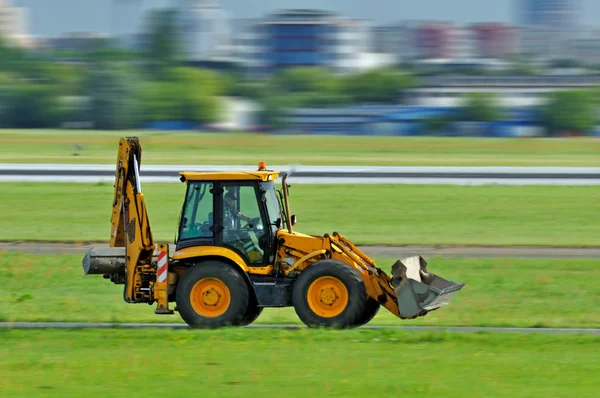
[[232, 215]]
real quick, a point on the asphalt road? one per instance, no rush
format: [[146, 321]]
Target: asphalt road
[[322, 174], [459, 329], [425, 251]]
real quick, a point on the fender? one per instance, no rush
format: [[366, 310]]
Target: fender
[[203, 251], [304, 259]]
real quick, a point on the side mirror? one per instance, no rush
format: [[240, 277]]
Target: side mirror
[[278, 223], [294, 219]]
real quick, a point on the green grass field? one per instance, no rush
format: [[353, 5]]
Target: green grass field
[[253, 362], [236, 363], [60, 146], [380, 214], [499, 292]]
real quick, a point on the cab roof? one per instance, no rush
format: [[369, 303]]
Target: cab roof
[[266, 175]]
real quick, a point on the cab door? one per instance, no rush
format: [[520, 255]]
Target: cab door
[[243, 223]]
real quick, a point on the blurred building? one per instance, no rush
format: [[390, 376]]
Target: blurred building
[[13, 23], [398, 40], [556, 14], [408, 121], [444, 43], [494, 40], [297, 38], [79, 41], [510, 91], [541, 43], [205, 30], [463, 44], [434, 40], [548, 28], [311, 38], [237, 115], [247, 42], [586, 49], [460, 50]]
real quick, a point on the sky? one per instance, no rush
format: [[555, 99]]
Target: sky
[[59, 17]]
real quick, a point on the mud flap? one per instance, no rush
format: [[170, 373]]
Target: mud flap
[[418, 291]]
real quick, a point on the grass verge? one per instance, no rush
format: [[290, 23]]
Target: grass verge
[[230, 363], [60, 146], [499, 292], [380, 214]]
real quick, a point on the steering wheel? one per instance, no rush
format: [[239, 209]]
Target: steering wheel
[[255, 224], [199, 227]]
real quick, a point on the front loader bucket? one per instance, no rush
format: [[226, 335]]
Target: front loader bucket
[[418, 291]]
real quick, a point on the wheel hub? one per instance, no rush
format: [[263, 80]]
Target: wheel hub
[[328, 296], [211, 297]]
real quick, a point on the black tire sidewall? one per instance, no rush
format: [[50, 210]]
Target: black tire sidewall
[[357, 295], [251, 315], [233, 279], [371, 309], [252, 312]]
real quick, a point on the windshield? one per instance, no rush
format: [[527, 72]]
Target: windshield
[[272, 203]]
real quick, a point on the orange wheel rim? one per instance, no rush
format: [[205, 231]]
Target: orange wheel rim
[[210, 297], [327, 296]]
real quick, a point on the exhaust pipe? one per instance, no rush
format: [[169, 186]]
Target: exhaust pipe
[[419, 291]]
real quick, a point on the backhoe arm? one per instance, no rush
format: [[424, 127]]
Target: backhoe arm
[[143, 267], [130, 227]]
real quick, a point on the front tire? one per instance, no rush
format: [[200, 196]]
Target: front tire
[[329, 293], [212, 294]]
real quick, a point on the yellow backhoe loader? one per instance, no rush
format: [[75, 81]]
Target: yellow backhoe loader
[[236, 253]]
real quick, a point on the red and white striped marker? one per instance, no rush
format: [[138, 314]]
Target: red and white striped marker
[[162, 267]]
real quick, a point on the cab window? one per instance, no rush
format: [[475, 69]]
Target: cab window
[[197, 217]]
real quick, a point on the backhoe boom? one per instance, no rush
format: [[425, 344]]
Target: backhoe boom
[[145, 279]]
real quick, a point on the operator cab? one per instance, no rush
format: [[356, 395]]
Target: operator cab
[[236, 210]]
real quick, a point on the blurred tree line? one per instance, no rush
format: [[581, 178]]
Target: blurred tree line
[[315, 87], [107, 86], [572, 112], [568, 112], [115, 88]]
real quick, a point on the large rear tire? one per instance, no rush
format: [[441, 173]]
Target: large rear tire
[[252, 312], [212, 294], [329, 293]]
